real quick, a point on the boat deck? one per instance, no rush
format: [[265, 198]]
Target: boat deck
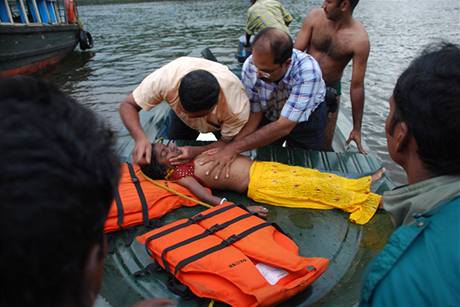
[[320, 233]]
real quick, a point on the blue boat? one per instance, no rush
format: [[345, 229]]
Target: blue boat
[[35, 34]]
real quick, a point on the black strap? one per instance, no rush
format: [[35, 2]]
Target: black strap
[[207, 232], [119, 209], [135, 180], [229, 241], [194, 219]]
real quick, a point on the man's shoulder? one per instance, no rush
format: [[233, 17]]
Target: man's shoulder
[[358, 32], [315, 16], [302, 60]]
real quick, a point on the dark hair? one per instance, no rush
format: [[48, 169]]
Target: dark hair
[[353, 3], [198, 91], [154, 170], [426, 97], [58, 176], [280, 43]]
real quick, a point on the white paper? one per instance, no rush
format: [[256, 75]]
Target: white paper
[[271, 274]]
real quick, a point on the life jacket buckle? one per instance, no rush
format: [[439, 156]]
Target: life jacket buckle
[[212, 229], [230, 240], [197, 218]]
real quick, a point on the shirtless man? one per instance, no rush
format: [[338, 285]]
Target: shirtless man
[[333, 38]]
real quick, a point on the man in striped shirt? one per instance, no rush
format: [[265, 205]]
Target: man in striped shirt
[[286, 92]]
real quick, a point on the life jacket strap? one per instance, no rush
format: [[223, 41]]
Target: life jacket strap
[[194, 219], [140, 193], [213, 229], [225, 243], [120, 210]]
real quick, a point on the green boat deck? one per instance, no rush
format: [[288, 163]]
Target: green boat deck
[[319, 233]]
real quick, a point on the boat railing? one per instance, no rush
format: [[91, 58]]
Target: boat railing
[[30, 12]]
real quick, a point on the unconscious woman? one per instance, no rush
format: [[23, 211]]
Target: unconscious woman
[[270, 183]]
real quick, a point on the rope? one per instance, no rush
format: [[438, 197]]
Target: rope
[[199, 202]]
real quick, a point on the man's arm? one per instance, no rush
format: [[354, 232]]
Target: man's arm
[[190, 152], [303, 39], [264, 135], [253, 123], [222, 160], [129, 113], [360, 57]]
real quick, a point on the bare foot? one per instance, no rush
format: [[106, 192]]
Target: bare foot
[[258, 210], [378, 174], [380, 204]]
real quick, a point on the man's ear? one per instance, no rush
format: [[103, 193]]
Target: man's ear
[[401, 136], [93, 271]]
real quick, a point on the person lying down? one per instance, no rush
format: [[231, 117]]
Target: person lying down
[[271, 183]]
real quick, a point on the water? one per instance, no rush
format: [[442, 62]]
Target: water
[[132, 40]]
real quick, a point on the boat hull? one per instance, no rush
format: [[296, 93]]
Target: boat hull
[[25, 49]]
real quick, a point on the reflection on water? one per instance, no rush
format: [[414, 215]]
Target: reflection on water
[[131, 40]]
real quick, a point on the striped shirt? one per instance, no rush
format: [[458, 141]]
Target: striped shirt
[[295, 96]]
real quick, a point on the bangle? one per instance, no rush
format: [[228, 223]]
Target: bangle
[[223, 200]]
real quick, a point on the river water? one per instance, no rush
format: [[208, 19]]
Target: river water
[[133, 39]]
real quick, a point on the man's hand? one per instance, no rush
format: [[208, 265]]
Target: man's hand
[[142, 152], [218, 160], [187, 154], [355, 136]]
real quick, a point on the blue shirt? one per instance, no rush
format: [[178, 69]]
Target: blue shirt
[[295, 96]]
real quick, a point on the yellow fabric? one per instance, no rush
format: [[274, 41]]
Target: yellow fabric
[[267, 13], [299, 187]]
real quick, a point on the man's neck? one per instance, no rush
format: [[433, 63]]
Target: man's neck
[[416, 170], [344, 22]]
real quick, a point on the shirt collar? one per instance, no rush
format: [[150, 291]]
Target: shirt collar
[[407, 202]]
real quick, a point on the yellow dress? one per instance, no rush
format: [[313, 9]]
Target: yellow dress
[[299, 187]]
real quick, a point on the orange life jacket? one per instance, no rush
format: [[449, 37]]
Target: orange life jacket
[[137, 201], [230, 255]]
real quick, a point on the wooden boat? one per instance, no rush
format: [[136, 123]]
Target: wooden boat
[[323, 233], [37, 33]]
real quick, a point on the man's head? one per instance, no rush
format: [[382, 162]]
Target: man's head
[[271, 54], [336, 9], [198, 92], [58, 176], [159, 161], [425, 111]]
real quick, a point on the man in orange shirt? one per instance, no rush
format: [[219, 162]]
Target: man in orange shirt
[[204, 96]]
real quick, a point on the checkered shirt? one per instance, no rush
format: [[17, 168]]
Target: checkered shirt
[[295, 96]]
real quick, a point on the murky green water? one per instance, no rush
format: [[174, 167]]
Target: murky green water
[[132, 40]]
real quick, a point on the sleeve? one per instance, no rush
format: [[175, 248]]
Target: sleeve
[[304, 93], [249, 79], [152, 90], [237, 113]]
